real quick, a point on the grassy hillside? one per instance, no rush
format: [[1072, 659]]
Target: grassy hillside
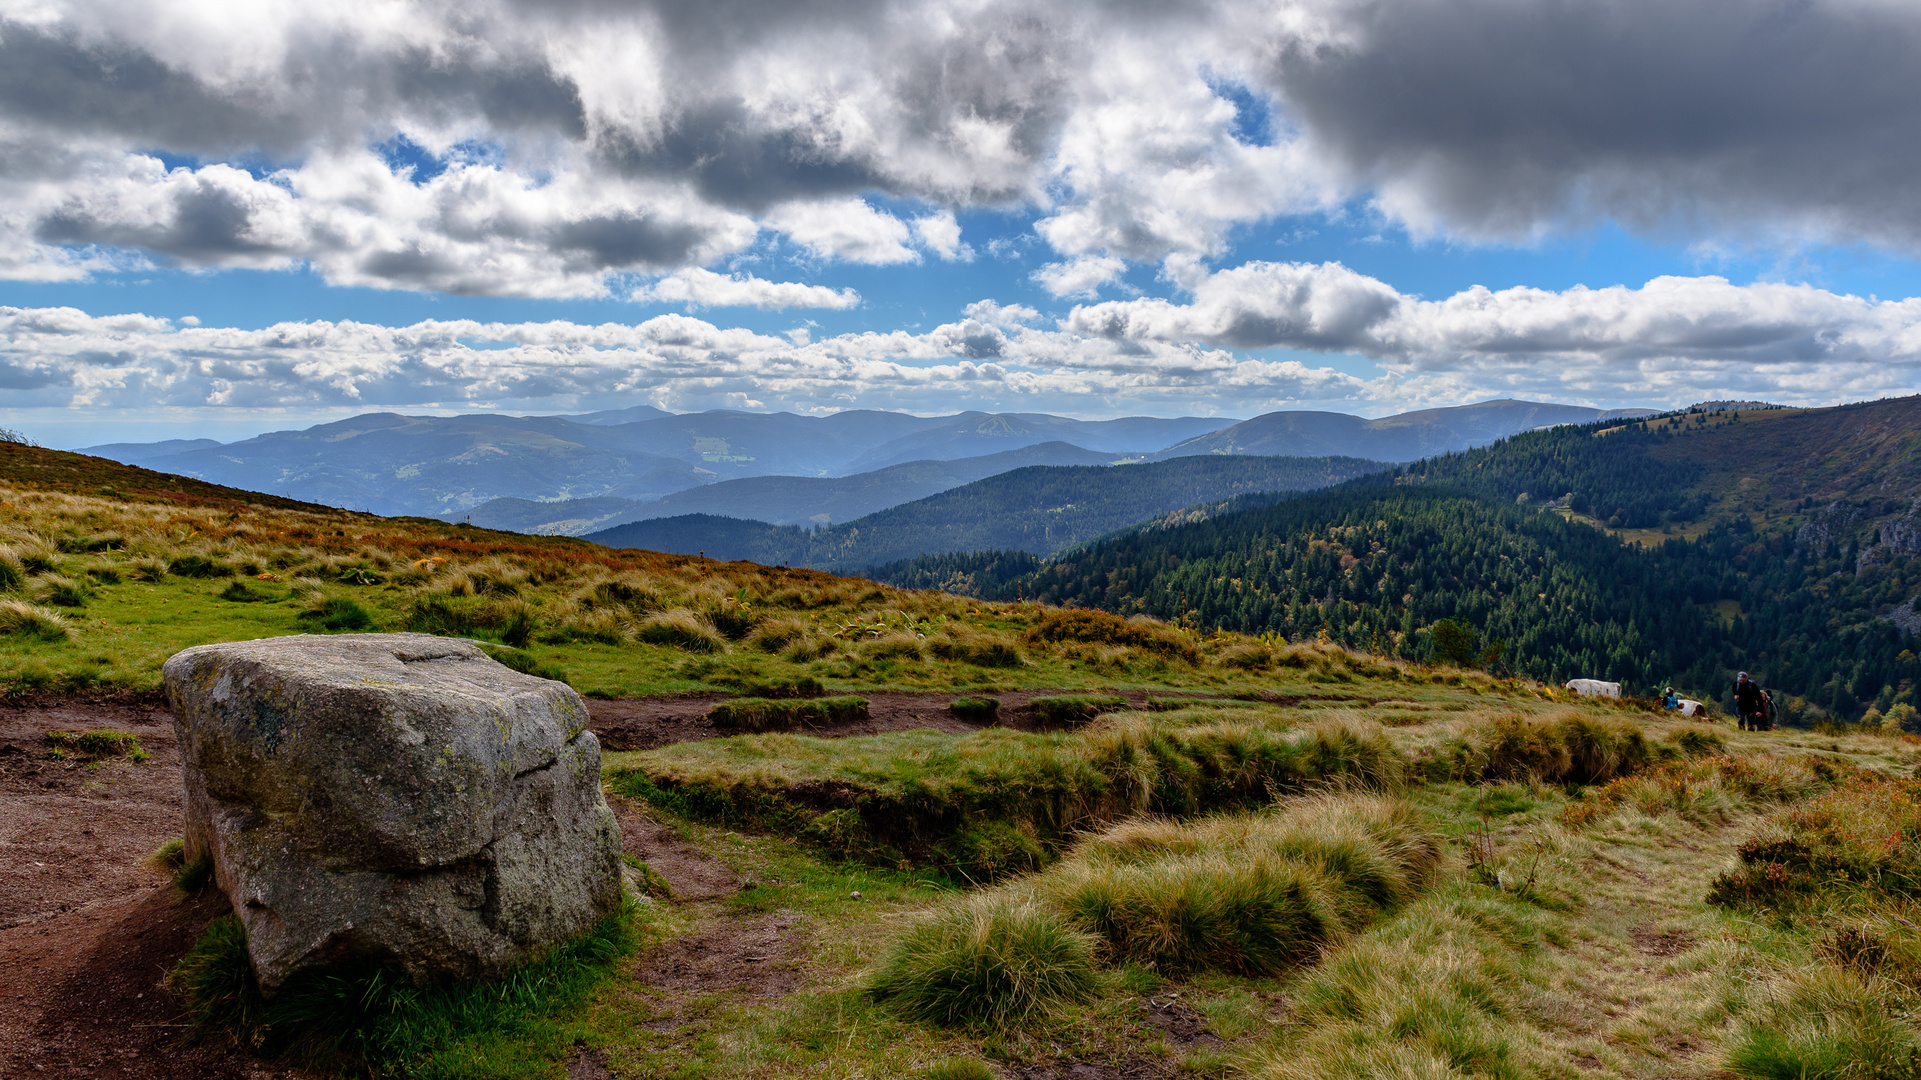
[[1289, 860], [1039, 509], [107, 569]]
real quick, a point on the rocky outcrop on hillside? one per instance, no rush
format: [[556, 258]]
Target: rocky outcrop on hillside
[[395, 799]]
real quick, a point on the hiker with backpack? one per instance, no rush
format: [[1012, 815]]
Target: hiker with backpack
[[1750, 704]]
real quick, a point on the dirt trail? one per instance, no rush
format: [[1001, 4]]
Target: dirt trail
[[87, 933]]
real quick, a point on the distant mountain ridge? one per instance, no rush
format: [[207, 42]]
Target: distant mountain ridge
[[448, 466], [1405, 437], [1040, 509], [777, 500]]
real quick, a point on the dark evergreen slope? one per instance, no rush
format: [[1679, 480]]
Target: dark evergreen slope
[[1790, 552], [1039, 510]]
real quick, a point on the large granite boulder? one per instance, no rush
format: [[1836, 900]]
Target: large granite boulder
[[394, 798]]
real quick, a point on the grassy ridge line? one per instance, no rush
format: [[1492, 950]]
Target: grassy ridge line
[[994, 801]]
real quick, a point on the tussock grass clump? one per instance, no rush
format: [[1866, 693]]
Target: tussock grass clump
[[1066, 710], [88, 545], [1828, 1023], [37, 559], [975, 710], [969, 646], [681, 629], [998, 801], [1103, 628], [61, 591], [1437, 990], [1573, 748], [1851, 841], [1250, 656], [21, 619], [1252, 895], [895, 645], [786, 714], [773, 635], [198, 566], [336, 614], [988, 959], [147, 568], [1711, 789], [12, 572], [525, 662]]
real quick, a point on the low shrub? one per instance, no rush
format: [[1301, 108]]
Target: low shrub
[[1860, 837], [198, 566], [987, 960], [21, 619], [1711, 789], [1068, 710], [975, 710], [1104, 628], [786, 714]]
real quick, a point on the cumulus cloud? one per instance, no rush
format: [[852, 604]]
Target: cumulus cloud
[[568, 144], [704, 288], [1670, 342], [1794, 342], [1080, 277]]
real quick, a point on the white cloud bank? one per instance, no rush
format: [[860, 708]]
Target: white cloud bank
[[509, 148], [1671, 342], [695, 287]]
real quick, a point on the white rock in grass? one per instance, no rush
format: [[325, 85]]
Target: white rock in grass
[[397, 799]]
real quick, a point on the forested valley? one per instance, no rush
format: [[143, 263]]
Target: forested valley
[[1785, 548]]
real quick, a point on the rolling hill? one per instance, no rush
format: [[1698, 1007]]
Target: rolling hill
[[1039, 509], [779, 500], [1404, 437], [1673, 549], [448, 466]]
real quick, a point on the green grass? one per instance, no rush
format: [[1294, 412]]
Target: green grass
[[995, 801], [976, 710], [1065, 710], [371, 1020], [100, 743], [987, 959], [786, 714]]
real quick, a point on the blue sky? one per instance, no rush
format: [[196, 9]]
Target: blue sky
[[1220, 208]]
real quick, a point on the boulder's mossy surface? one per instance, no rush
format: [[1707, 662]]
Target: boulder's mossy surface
[[397, 800]]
